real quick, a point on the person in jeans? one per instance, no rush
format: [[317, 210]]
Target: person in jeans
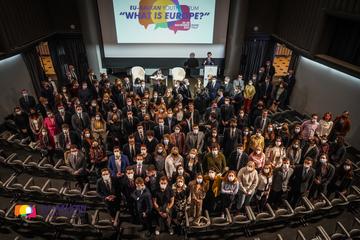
[[229, 189], [248, 181]]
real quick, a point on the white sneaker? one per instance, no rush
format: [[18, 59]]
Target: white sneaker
[[157, 232]]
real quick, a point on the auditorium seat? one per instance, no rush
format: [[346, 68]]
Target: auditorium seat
[[59, 221], [81, 222], [202, 223], [45, 166], [10, 215], [89, 193], [62, 169], [137, 72], [305, 207], [340, 232], [300, 235], [71, 191], [244, 219], [178, 74], [50, 190], [16, 184], [341, 200], [17, 163], [268, 215], [355, 229], [354, 195], [31, 164], [33, 186], [323, 203], [222, 221], [102, 221], [285, 212]]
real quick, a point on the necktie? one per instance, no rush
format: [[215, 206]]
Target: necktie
[[142, 137], [132, 151], [263, 124], [108, 186], [138, 171], [26, 99], [131, 121], [118, 164], [82, 121], [169, 121], [238, 161], [161, 130]]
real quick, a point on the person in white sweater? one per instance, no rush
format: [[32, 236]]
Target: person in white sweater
[[173, 160], [248, 181]]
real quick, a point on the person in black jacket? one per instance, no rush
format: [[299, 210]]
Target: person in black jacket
[[238, 158], [109, 189], [324, 172], [22, 122], [301, 181], [26, 101], [143, 205]]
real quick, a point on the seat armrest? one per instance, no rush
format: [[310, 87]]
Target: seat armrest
[[326, 199], [343, 197], [95, 217], [271, 211], [11, 209], [343, 229], [323, 233], [356, 189], [45, 185], [59, 163], [85, 189], [300, 235], [6, 183], [187, 223], [50, 215], [228, 215], [28, 182], [10, 158], [308, 203], [27, 159], [288, 206], [250, 213], [72, 221], [117, 219]]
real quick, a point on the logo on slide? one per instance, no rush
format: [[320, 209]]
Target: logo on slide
[[25, 211]]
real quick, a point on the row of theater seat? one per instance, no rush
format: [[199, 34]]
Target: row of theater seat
[[52, 190], [270, 217], [54, 220]]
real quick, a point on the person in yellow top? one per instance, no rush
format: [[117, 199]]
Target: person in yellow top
[[257, 140], [249, 93]]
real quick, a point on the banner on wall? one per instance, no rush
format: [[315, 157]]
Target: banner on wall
[[164, 21]]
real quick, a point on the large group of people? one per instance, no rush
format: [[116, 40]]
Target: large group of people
[[164, 150]]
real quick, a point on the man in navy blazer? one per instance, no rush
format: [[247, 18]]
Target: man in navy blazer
[[213, 86], [117, 163]]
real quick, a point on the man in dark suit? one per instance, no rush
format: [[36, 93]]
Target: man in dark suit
[[128, 85], [232, 137], [127, 183], [161, 129], [151, 141], [310, 150], [108, 188], [80, 120], [301, 181], [213, 86], [85, 95], [209, 60], [140, 134], [129, 107], [131, 149], [142, 89], [227, 112], [67, 138], [170, 121], [290, 80], [62, 117], [143, 205], [159, 87], [75, 161], [194, 139], [139, 167], [186, 125], [264, 91], [118, 163], [185, 91], [194, 113], [262, 121], [238, 158], [269, 69], [130, 123], [147, 123], [26, 101]]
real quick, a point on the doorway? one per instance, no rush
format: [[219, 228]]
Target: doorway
[[281, 60]]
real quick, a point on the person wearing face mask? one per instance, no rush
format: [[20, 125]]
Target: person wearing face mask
[[296, 133], [242, 120], [257, 141], [264, 186], [118, 162], [310, 149], [131, 149], [62, 116], [343, 179], [163, 200], [161, 129], [75, 161], [36, 124], [301, 181], [180, 171], [228, 88], [143, 205], [108, 188], [194, 139], [85, 95], [269, 135], [264, 90], [262, 122], [151, 141], [45, 146], [67, 138], [159, 157], [238, 158], [293, 152], [232, 137], [248, 181], [142, 89], [50, 125], [98, 126], [198, 188], [279, 94], [139, 166], [213, 86], [181, 194], [172, 161], [26, 101], [258, 157], [215, 159], [324, 172], [147, 123], [275, 153], [246, 139], [229, 189], [325, 125], [80, 120], [212, 195], [192, 164], [211, 123], [249, 93], [309, 127], [170, 120], [166, 142], [148, 158], [280, 183]]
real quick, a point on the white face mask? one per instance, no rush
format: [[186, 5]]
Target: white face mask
[[199, 180], [106, 177], [277, 143], [246, 133], [270, 129], [266, 170], [177, 130], [192, 155], [143, 151], [97, 118], [130, 176], [250, 169], [163, 186], [166, 141], [231, 179], [181, 172], [296, 145], [116, 154], [180, 184], [215, 152], [258, 152], [196, 131], [323, 160], [239, 150], [140, 188], [297, 130], [212, 175], [87, 135], [160, 150]]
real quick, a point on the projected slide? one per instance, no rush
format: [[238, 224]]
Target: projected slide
[[164, 21]]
